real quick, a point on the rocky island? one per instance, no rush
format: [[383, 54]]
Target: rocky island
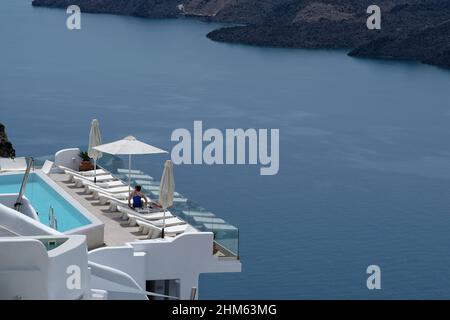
[[6, 148], [411, 29]]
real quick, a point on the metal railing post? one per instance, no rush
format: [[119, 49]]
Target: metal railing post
[[193, 293], [24, 183]]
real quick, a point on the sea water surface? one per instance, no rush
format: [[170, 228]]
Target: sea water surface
[[364, 145]]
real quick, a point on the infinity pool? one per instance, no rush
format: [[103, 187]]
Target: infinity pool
[[42, 196]]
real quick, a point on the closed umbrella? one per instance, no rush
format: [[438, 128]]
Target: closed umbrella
[[166, 190], [95, 139], [128, 146]]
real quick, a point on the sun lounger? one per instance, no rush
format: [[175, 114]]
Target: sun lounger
[[104, 198], [106, 185], [151, 231], [132, 215], [114, 202], [154, 232], [74, 174], [89, 173], [107, 191], [157, 215], [92, 173], [107, 180], [168, 222], [47, 167], [16, 164]]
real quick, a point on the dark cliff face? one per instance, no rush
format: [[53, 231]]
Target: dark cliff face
[[430, 44], [6, 148], [157, 9], [410, 29]]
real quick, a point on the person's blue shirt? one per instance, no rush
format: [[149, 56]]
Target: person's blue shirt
[[136, 196], [137, 201]]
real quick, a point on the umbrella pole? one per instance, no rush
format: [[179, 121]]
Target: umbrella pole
[[95, 170], [164, 223], [129, 174]]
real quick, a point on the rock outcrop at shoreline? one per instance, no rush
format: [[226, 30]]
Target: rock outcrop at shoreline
[[411, 29], [6, 148], [430, 45]]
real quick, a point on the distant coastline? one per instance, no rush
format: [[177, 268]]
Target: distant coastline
[[417, 30]]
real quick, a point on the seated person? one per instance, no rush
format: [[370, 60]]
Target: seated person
[[137, 196]]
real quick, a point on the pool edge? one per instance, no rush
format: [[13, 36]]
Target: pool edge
[[94, 231]]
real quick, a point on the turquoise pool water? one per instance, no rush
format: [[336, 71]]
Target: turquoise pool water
[[42, 196]]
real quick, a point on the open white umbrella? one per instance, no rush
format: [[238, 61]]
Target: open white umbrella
[[166, 190], [95, 139], [128, 146]]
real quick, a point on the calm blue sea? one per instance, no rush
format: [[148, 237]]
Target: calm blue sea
[[364, 145]]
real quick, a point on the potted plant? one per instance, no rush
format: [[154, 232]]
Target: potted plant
[[85, 164]]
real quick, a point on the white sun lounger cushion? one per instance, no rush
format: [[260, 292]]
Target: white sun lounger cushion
[[110, 191], [80, 179], [89, 173], [155, 232], [106, 185], [155, 215], [169, 222], [47, 167], [133, 215]]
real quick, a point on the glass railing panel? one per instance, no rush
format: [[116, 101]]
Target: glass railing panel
[[38, 162], [226, 236]]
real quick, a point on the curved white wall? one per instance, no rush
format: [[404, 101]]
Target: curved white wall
[[23, 225], [9, 199], [29, 271], [117, 283], [23, 269], [69, 158], [67, 262]]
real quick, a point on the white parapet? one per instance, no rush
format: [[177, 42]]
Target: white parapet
[[45, 267], [9, 200], [21, 224], [182, 258], [69, 158]]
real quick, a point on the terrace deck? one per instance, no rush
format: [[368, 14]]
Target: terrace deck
[[117, 232]]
